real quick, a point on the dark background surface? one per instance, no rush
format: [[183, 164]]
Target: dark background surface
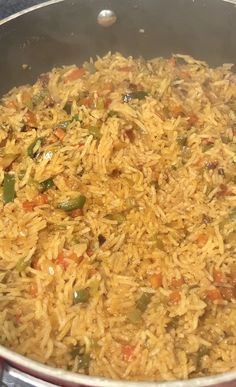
[[7, 7]]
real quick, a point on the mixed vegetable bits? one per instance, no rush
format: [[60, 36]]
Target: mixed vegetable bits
[[32, 142]]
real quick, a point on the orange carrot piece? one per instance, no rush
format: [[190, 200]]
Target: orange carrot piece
[[213, 295], [174, 297], [177, 282], [76, 213], [156, 280], [59, 133], [218, 276]]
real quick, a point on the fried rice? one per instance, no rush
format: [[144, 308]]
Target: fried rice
[[118, 218]]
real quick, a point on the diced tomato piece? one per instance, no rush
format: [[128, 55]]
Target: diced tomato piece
[[36, 265], [89, 251], [177, 282], [127, 352], [224, 191], [87, 101], [174, 297], [34, 290], [126, 68], [75, 74], [18, 317], [40, 199], [76, 213], [30, 119], [177, 111], [61, 260], [185, 75], [28, 206], [59, 133], [233, 274], [218, 276], [192, 119], [74, 257], [11, 105], [156, 280], [213, 295], [52, 139], [107, 102], [107, 88]]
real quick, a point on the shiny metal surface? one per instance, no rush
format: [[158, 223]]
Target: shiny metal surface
[[106, 18], [11, 377], [135, 35]]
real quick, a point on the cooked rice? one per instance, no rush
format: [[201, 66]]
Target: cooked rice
[[158, 174]]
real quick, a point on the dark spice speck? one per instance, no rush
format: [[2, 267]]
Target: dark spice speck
[[206, 219], [101, 239], [221, 172], [212, 165]]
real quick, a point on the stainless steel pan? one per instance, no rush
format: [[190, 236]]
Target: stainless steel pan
[[64, 32]]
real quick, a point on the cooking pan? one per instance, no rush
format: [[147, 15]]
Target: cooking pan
[[65, 32]]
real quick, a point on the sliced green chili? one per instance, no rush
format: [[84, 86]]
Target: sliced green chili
[[134, 315], [143, 301], [73, 204], [95, 132], [46, 185], [63, 124], [225, 139], [34, 147], [83, 358], [119, 217], [81, 296], [90, 67], [207, 147], [140, 94], [8, 187], [84, 361], [182, 140], [22, 264], [39, 97], [77, 350], [68, 107]]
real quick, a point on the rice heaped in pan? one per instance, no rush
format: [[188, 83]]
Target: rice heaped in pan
[[118, 218]]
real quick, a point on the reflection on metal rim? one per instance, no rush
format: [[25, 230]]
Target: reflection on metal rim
[[70, 377], [27, 10]]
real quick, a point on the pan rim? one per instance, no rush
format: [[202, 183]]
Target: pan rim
[[75, 378], [51, 2], [86, 380], [33, 8]]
